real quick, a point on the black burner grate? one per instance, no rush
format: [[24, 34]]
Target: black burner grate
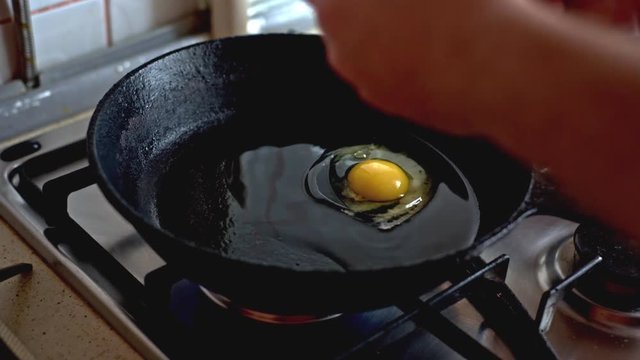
[[179, 318]]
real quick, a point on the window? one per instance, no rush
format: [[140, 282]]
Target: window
[[268, 16]]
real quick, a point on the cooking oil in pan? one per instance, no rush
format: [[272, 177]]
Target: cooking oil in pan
[[283, 204]]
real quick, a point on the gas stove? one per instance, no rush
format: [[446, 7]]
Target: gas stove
[[533, 292]]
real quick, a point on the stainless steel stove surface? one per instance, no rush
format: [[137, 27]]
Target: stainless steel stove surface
[[540, 249], [49, 196]]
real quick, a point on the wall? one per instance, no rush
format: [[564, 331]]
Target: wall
[[65, 29]]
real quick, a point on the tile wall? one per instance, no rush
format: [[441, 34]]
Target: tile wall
[[65, 29]]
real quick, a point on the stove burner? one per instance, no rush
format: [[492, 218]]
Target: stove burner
[[615, 282], [558, 264], [279, 319]]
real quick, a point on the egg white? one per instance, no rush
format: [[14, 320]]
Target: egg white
[[383, 215]]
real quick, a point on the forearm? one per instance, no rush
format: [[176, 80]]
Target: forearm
[[566, 95]]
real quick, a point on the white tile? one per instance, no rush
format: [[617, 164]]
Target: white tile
[[132, 17], [69, 31], [8, 53]]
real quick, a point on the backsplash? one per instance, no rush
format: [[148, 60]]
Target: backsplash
[[65, 29]]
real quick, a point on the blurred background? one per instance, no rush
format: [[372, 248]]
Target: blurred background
[[64, 30]]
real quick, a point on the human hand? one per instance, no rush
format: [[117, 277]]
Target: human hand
[[414, 58], [549, 87], [425, 59]]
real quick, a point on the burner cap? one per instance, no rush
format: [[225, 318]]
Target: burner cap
[[616, 281]]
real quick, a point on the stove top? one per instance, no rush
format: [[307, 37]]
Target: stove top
[[49, 196]]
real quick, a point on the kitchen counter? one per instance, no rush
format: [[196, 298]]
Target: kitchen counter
[[46, 315]]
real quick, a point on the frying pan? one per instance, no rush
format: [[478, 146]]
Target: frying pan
[[156, 138]]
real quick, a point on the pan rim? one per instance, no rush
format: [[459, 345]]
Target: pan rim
[[129, 212]]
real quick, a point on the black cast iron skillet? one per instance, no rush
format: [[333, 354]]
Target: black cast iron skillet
[[157, 137]]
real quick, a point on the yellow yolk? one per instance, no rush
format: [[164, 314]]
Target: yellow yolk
[[378, 180]]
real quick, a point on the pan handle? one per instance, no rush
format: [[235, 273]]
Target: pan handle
[[545, 198], [503, 312]]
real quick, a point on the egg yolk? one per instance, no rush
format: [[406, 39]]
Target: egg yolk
[[378, 180]]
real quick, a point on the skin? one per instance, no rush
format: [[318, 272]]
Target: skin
[[557, 85]]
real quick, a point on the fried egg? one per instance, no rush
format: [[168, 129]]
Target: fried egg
[[373, 184]]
